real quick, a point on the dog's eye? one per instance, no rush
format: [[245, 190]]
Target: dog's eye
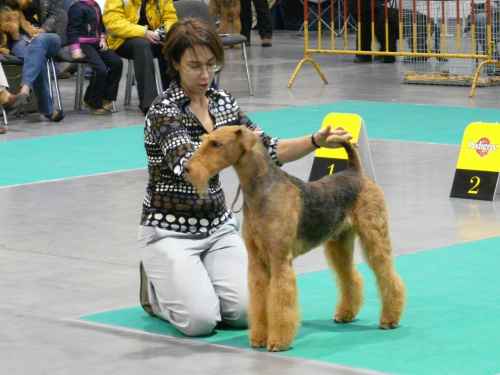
[[215, 144]]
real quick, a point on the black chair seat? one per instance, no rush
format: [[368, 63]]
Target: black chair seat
[[10, 60]]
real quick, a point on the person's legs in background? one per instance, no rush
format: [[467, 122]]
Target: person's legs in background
[[364, 38], [139, 50], [114, 63], [6, 98], [264, 22], [246, 19], [35, 75], [95, 90]]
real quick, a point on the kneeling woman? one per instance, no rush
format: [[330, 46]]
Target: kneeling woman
[[193, 256]]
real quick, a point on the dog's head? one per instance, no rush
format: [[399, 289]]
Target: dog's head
[[219, 150], [22, 4]]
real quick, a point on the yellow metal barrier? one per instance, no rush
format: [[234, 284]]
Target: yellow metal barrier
[[460, 35]]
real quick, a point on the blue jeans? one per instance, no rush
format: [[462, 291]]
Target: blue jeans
[[35, 75]]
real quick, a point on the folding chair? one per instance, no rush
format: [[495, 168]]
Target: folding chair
[[130, 80], [311, 11]]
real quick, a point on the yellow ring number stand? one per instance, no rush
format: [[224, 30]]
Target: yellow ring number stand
[[478, 165], [332, 160]]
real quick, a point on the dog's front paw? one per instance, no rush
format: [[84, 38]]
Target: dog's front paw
[[277, 346], [387, 324], [258, 343], [344, 317], [258, 339]]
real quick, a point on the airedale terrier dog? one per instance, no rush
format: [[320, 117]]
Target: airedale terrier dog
[[229, 13], [12, 20], [285, 217]]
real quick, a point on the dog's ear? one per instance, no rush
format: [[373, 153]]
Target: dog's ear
[[246, 137]]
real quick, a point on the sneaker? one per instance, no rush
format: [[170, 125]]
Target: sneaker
[[144, 293], [94, 110]]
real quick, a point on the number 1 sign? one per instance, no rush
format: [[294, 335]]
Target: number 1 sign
[[332, 160], [478, 166]]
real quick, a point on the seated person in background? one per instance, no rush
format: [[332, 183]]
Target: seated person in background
[[35, 52], [87, 41], [131, 34], [8, 100]]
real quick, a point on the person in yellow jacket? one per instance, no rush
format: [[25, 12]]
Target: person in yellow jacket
[[135, 30]]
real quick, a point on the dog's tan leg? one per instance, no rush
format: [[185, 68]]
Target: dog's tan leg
[[224, 21], [26, 26], [372, 224], [3, 44], [11, 28], [340, 256], [258, 283], [214, 9], [235, 20], [283, 308]]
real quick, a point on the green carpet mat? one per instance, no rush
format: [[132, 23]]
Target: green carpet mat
[[111, 150], [451, 324]]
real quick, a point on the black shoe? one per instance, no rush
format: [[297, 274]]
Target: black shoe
[[143, 292], [58, 118], [389, 59], [362, 59]]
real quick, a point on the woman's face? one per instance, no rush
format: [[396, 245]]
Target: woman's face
[[197, 68]]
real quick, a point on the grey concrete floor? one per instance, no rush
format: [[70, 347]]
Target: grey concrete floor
[[68, 247]]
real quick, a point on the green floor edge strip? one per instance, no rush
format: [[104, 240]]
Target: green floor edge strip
[[110, 150], [451, 324]]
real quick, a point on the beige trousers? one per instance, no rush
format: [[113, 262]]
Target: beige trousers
[[3, 79]]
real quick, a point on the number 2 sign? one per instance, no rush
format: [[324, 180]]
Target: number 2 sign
[[478, 166]]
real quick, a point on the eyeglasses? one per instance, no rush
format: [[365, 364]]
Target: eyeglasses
[[211, 69]]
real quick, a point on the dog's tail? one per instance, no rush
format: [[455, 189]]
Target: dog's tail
[[354, 161]]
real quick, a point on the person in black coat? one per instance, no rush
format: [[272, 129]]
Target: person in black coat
[[364, 36]]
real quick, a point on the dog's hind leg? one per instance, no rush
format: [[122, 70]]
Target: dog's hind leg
[[224, 21], [340, 256], [371, 221]]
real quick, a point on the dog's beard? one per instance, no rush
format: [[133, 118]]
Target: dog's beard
[[200, 181]]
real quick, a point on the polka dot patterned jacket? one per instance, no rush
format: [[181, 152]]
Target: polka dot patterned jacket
[[171, 135]]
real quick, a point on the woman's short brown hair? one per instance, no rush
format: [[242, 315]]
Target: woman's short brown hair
[[188, 33]]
